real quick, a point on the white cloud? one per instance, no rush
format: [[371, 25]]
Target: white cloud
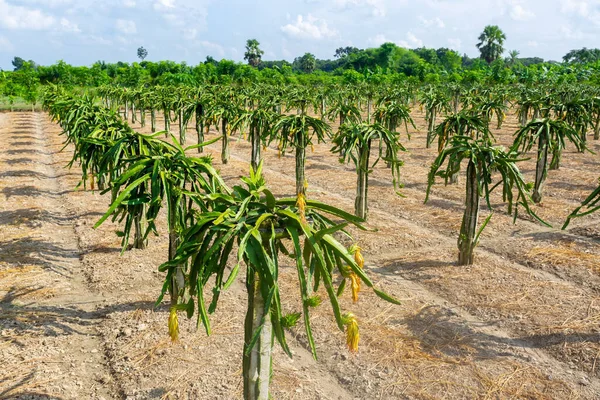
[[309, 28], [161, 5], [47, 3], [532, 43], [212, 47], [581, 8], [96, 40], [455, 43], [285, 50], [378, 40], [589, 10], [183, 14], [570, 33], [129, 3], [68, 26], [190, 34], [17, 17], [411, 41], [5, 45], [376, 7], [173, 19], [432, 22], [126, 26], [518, 13]]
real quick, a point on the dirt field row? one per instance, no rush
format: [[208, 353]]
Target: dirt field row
[[77, 319]]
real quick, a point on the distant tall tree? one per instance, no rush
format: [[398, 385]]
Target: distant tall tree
[[513, 57], [19, 63], [142, 53], [308, 63], [449, 59], [490, 43], [582, 56], [210, 60], [342, 52], [253, 52], [527, 61]]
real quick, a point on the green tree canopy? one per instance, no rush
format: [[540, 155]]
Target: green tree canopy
[[342, 52], [308, 62], [582, 56], [253, 52], [19, 63], [142, 53], [491, 43]]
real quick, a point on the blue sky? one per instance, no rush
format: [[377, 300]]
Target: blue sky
[[84, 31]]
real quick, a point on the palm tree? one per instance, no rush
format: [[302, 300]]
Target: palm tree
[[308, 63], [353, 142], [513, 58], [253, 52], [260, 227], [483, 160], [490, 43]]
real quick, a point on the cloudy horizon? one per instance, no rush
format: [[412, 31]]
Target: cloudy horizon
[[82, 32]]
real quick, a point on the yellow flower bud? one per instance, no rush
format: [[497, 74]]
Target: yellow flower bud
[[352, 335], [355, 286], [173, 325], [301, 204], [360, 261]]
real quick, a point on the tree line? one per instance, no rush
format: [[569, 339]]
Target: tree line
[[386, 64]]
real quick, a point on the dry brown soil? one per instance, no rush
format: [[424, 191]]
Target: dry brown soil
[[77, 319]]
